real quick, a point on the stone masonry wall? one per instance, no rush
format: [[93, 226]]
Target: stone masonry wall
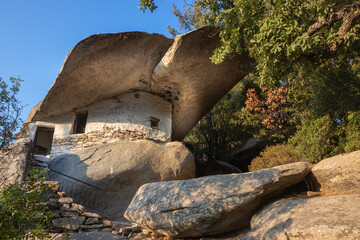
[[79, 141], [75, 217], [127, 116]]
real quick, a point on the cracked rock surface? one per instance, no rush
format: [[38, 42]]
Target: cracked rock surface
[[340, 173], [209, 205], [14, 162], [117, 170], [330, 217], [180, 71]]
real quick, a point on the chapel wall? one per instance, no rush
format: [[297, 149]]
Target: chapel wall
[[127, 116]]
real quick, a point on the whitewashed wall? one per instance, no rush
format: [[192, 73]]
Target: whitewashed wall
[[124, 117]]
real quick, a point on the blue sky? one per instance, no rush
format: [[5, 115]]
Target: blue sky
[[36, 35]]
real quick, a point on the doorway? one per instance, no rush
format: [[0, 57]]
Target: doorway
[[43, 140]]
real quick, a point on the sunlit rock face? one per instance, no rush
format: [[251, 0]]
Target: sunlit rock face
[[330, 217], [338, 174], [14, 162], [187, 77], [102, 66], [209, 205], [107, 176], [126, 116], [107, 67]]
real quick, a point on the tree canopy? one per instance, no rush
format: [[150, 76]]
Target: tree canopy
[[10, 110], [283, 36], [305, 89]]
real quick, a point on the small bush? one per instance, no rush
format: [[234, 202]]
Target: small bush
[[23, 212], [276, 155]]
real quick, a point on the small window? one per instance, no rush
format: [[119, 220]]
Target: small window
[[154, 122], [80, 123]]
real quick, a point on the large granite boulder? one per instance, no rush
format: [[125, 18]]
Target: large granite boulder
[[106, 65], [331, 217], [209, 205], [340, 173], [14, 162], [191, 82], [106, 177], [101, 66]]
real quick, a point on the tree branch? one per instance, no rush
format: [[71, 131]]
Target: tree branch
[[334, 17]]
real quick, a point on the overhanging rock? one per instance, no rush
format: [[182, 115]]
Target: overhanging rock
[[180, 71], [188, 78]]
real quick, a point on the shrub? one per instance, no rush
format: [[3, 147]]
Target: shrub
[[276, 155], [23, 212], [315, 138], [352, 130]]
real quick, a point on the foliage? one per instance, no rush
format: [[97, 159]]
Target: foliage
[[315, 138], [23, 214], [191, 16], [10, 110], [272, 111], [276, 155], [283, 36], [306, 86], [147, 4], [352, 130], [227, 128]]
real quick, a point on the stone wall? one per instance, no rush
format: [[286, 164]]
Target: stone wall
[[79, 141], [124, 117], [77, 218]]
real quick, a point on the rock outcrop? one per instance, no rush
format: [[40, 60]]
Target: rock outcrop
[[14, 162], [106, 65], [118, 169], [102, 66], [340, 173], [209, 205], [330, 217], [187, 77]]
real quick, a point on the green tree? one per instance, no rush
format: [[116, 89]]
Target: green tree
[[192, 16], [10, 110], [222, 129], [316, 138], [283, 36], [310, 47], [23, 212]]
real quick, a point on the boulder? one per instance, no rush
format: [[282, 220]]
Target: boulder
[[209, 205], [188, 79], [72, 223], [330, 217], [340, 173], [106, 65], [102, 66], [106, 177], [14, 162]]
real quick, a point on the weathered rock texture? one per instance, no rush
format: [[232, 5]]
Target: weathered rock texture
[[187, 77], [340, 173], [14, 162], [331, 217], [75, 218], [117, 170], [106, 65], [209, 205], [102, 66]]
